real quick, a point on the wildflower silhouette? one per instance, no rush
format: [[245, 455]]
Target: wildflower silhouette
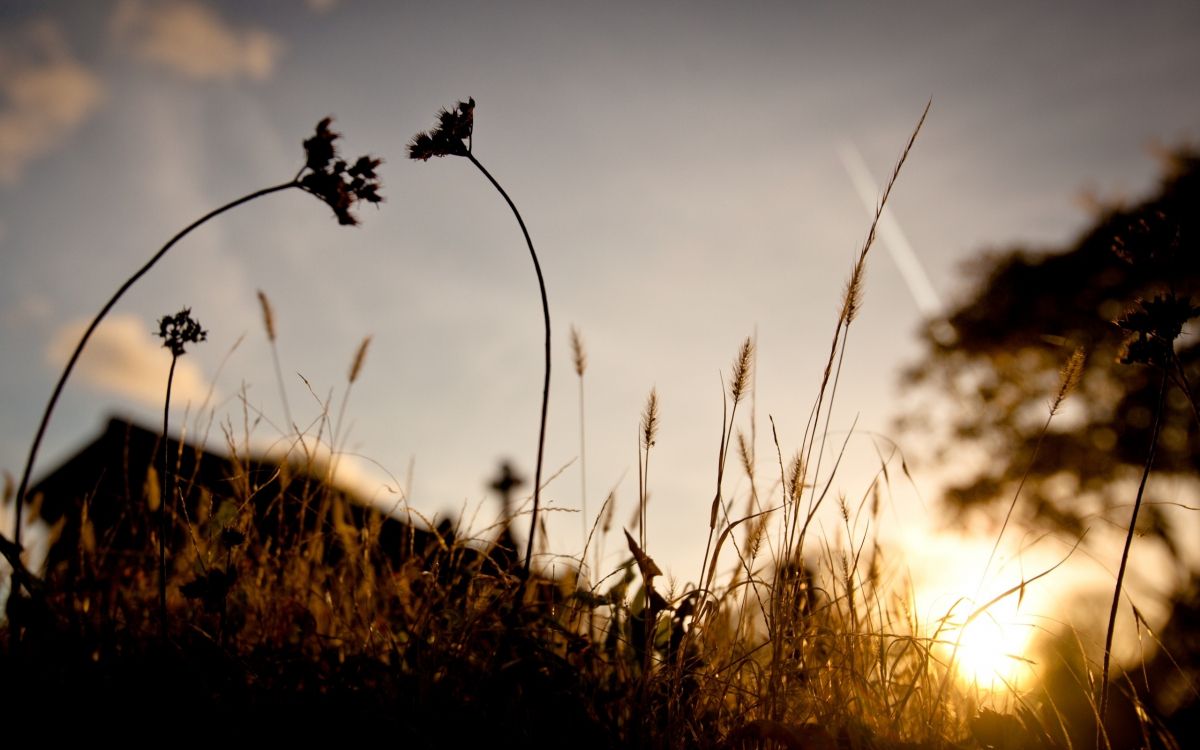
[[176, 331], [339, 185], [452, 137], [331, 179], [1151, 327]]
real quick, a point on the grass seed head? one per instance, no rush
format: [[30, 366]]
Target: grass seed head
[[650, 419], [578, 352], [268, 315], [359, 358], [1069, 378], [741, 370]]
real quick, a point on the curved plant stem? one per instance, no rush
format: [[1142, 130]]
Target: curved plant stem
[[537, 474], [1137, 504], [62, 381], [168, 492]]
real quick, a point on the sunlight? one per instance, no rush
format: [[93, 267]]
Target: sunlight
[[991, 652]]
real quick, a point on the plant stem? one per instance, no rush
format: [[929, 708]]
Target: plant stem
[[582, 469], [62, 381], [1137, 504], [287, 412], [537, 474], [168, 491]]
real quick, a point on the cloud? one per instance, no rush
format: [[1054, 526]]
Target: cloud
[[45, 95], [125, 358], [192, 40]]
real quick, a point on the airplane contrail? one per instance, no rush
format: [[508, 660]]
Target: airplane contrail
[[927, 299]]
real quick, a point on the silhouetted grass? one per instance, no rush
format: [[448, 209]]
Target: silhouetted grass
[[285, 599]]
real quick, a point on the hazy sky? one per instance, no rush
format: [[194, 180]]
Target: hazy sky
[[678, 167]]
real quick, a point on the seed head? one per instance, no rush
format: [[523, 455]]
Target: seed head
[[180, 329], [451, 137], [268, 314], [1151, 328], [578, 352], [359, 358], [331, 179], [741, 370], [1068, 378], [650, 419]]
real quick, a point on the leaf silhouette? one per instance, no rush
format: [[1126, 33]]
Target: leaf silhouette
[[645, 564]]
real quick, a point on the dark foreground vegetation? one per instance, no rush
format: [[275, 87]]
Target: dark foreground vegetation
[[210, 590]]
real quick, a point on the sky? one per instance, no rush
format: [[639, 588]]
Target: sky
[[683, 171]]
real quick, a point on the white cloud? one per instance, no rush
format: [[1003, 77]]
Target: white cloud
[[45, 95], [191, 39], [125, 358]]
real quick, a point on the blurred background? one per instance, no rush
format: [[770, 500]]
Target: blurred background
[[691, 173]]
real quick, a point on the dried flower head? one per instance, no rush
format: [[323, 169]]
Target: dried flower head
[[650, 420], [268, 314], [1151, 328], [450, 138], [180, 329], [359, 358], [578, 352], [339, 184], [741, 370], [1069, 378]]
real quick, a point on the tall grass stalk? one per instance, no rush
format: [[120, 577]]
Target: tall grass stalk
[[1151, 328], [453, 137], [1137, 505], [738, 385], [647, 434], [268, 314], [176, 332], [579, 355], [338, 437], [793, 533]]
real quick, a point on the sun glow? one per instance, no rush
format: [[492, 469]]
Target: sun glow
[[989, 652]]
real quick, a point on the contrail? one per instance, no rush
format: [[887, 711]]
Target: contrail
[[923, 293]]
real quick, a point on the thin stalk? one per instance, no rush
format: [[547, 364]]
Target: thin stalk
[[537, 473], [168, 491], [269, 324], [1137, 505], [582, 464], [62, 381]]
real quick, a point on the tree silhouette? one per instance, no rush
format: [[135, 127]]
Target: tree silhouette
[[1016, 328]]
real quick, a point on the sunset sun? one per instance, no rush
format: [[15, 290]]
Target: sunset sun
[[992, 652]]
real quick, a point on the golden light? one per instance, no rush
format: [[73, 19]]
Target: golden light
[[991, 650]]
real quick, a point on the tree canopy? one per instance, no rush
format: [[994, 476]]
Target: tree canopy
[[988, 387]]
